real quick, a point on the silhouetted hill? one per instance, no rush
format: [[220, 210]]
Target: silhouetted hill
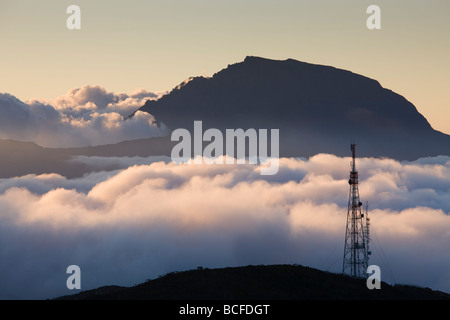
[[317, 109], [20, 158], [273, 282]]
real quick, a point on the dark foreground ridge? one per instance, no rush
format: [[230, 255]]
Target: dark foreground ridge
[[271, 282]]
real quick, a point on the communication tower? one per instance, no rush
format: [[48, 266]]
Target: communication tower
[[356, 249]]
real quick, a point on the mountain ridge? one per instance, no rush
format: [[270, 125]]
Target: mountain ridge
[[257, 282], [317, 108]]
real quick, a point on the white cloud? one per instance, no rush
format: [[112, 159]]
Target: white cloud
[[89, 98], [97, 163], [125, 226], [83, 117]]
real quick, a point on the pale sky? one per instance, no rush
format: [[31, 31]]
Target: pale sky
[[125, 45]]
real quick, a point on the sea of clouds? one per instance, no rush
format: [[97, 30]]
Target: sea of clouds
[[151, 216], [85, 116]]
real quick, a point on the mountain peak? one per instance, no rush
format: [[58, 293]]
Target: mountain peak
[[256, 59], [317, 108]]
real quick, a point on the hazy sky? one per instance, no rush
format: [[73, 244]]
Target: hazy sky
[[125, 45]]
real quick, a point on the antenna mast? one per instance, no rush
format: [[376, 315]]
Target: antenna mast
[[356, 249]]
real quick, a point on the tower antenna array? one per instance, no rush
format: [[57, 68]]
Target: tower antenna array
[[356, 249]]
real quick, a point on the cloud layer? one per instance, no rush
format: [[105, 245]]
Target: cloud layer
[[125, 226], [85, 116]]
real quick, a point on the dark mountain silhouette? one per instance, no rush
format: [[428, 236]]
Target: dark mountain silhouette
[[317, 109], [20, 158], [272, 282]]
